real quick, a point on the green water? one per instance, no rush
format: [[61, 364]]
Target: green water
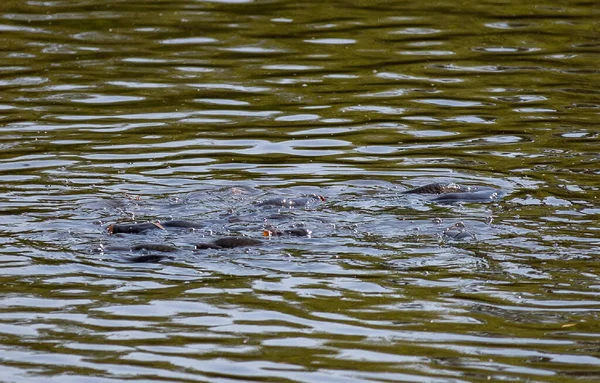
[[122, 111]]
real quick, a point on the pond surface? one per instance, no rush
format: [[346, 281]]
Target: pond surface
[[136, 111]]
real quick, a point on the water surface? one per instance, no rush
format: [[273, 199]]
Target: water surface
[[120, 111]]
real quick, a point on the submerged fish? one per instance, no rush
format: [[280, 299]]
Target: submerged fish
[[292, 202], [474, 196], [439, 188], [271, 231], [229, 243], [451, 192], [133, 228], [140, 228], [150, 258]]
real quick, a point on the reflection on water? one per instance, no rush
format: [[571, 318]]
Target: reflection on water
[[198, 110]]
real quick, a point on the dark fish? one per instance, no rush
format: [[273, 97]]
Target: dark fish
[[276, 217], [295, 232], [183, 224], [151, 258], [474, 196], [140, 247], [451, 193], [133, 228], [439, 188], [140, 228], [229, 243]]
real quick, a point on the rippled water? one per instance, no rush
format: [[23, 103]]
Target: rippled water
[[121, 111]]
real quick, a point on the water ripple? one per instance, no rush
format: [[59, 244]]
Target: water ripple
[[121, 112]]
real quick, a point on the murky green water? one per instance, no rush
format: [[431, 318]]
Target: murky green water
[[121, 111]]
